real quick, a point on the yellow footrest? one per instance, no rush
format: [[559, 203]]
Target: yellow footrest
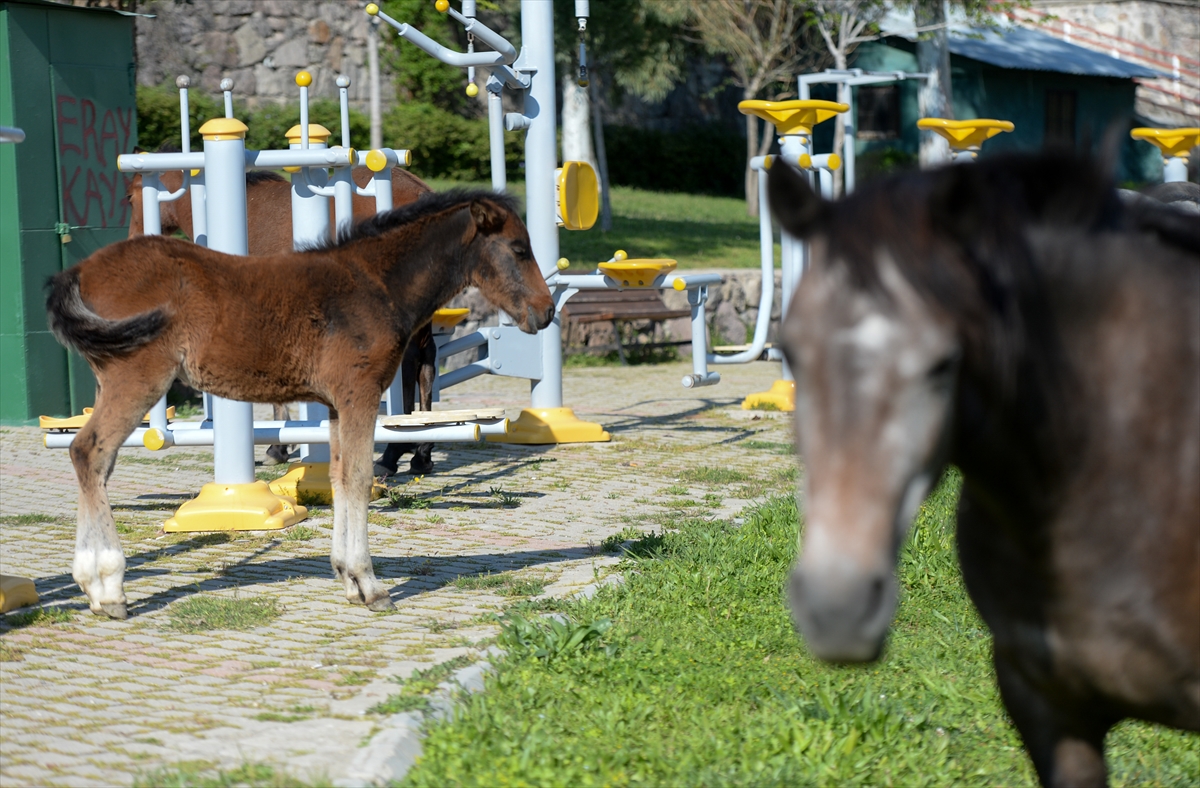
[[797, 116], [637, 273], [537, 426], [966, 134], [781, 396], [77, 422], [1172, 142], [449, 318]]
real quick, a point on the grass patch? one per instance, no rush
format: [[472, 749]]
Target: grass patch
[[399, 499], [633, 542], [10, 653], [39, 617], [702, 635], [707, 475], [32, 519], [300, 533], [771, 446], [205, 612], [504, 584], [203, 774], [416, 687]]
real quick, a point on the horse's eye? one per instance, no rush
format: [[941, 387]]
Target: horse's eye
[[520, 251]]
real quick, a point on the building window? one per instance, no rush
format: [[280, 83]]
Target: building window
[[878, 112], [1060, 119]]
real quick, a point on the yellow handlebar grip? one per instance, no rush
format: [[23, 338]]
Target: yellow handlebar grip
[[304, 79], [371, 9], [472, 90], [563, 264], [679, 284], [620, 255], [442, 5]]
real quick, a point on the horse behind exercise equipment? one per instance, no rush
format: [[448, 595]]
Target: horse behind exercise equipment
[[269, 222], [328, 325], [1014, 318]]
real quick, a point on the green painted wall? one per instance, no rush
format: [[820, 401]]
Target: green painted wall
[[67, 79], [984, 91]]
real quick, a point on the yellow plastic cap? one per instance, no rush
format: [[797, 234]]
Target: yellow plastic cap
[[154, 439], [377, 161], [407, 158], [316, 133], [371, 9], [578, 195], [966, 134], [563, 264], [442, 5], [1172, 142], [768, 161], [835, 161], [805, 161], [472, 90], [792, 117], [679, 284], [223, 129], [195, 173], [304, 79], [620, 255], [292, 169]]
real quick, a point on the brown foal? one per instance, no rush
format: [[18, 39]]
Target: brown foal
[[269, 220], [329, 324]]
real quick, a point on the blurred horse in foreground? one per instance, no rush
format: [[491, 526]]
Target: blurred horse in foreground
[[1016, 318]]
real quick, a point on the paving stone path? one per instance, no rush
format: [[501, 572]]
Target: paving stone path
[[86, 701]]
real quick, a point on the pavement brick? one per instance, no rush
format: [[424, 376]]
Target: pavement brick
[[93, 701]]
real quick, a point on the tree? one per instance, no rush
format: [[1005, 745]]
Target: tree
[[419, 77], [843, 25], [765, 43]]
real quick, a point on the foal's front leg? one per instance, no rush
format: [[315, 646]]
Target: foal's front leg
[[351, 442]]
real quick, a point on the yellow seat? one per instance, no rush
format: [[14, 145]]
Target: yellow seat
[[637, 273], [1172, 142], [449, 318], [792, 117], [966, 134], [77, 422]]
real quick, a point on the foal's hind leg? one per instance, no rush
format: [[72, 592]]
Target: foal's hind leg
[[121, 401], [351, 440]]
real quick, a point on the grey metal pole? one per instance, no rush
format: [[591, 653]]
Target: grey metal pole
[[496, 134], [541, 159], [225, 167]]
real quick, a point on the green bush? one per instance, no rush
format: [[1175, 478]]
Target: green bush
[[158, 119], [445, 145], [696, 160]]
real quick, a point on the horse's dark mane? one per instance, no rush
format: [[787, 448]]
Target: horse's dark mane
[[425, 205], [263, 176]]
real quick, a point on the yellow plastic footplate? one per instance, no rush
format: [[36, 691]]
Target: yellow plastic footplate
[[781, 396], [309, 482], [16, 592], [236, 507], [551, 425]]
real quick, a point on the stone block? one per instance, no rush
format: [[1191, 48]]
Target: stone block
[[251, 48]]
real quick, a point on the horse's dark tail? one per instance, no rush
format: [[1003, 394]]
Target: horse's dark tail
[[93, 336]]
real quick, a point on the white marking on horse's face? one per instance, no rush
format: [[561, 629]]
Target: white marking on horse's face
[[875, 378]]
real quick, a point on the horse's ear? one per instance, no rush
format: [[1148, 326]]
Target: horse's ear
[[799, 209], [489, 217]]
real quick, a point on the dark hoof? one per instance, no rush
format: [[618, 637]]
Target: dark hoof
[[382, 605], [115, 610], [420, 469], [276, 455], [383, 470]]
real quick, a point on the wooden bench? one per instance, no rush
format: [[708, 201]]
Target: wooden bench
[[616, 307]]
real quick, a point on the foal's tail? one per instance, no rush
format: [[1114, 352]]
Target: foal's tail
[[93, 336]]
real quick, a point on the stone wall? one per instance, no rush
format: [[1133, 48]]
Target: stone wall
[[732, 311], [260, 44]]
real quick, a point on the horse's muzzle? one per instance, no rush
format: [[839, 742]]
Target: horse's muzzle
[[842, 617], [537, 319]]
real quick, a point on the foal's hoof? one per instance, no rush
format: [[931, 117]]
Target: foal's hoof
[[383, 470], [276, 455], [420, 468], [381, 605], [113, 610]]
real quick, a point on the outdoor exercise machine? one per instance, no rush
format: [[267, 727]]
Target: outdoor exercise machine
[[15, 591], [216, 181], [1175, 146]]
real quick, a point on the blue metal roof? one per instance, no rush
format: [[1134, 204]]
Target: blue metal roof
[[1019, 47]]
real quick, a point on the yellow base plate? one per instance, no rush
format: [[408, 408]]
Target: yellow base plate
[[781, 396], [309, 482], [551, 425], [16, 592], [236, 507], [77, 422]]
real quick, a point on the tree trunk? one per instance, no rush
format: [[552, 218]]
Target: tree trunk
[[576, 122], [935, 98], [839, 125], [601, 155]]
